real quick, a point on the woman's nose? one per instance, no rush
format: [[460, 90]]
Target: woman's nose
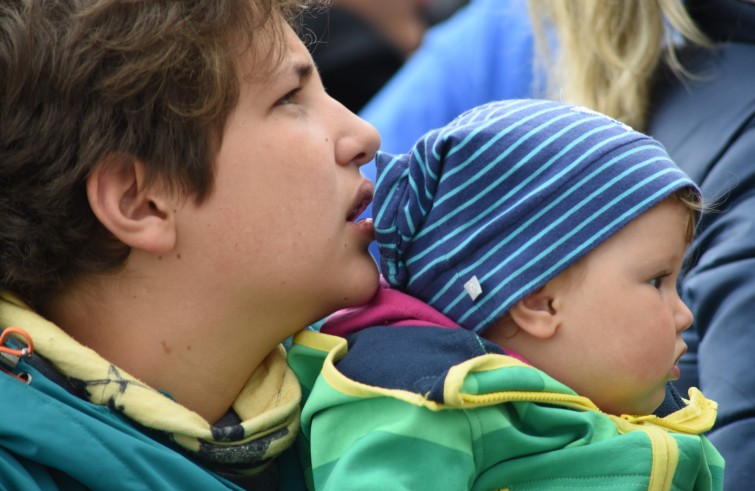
[[359, 141]]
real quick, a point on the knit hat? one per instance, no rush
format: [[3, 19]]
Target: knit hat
[[484, 211]]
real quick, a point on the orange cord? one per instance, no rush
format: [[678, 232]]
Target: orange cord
[[26, 351], [19, 333]]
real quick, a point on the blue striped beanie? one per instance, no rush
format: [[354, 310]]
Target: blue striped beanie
[[484, 211]]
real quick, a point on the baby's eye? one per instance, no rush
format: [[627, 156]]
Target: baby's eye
[[657, 281]]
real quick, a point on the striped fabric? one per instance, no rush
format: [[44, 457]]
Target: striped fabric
[[487, 209]]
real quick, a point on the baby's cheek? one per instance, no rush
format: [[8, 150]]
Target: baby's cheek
[[659, 357]]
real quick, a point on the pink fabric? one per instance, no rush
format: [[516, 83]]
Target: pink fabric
[[516, 355], [387, 308]]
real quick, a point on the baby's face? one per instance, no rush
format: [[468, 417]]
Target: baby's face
[[620, 319]]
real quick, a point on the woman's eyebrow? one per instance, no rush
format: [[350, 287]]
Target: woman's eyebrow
[[303, 70]]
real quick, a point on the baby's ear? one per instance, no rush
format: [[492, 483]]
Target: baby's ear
[[140, 216], [537, 313]]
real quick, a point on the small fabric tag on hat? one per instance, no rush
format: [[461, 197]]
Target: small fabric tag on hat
[[473, 288]]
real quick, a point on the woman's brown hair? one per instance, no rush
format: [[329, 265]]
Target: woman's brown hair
[[84, 82]]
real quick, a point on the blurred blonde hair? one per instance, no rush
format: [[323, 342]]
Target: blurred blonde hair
[[608, 50]]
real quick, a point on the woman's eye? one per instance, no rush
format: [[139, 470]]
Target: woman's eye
[[289, 98]]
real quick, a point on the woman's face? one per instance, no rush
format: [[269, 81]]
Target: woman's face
[[280, 223]]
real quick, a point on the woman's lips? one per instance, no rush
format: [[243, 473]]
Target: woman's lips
[[362, 200], [366, 228]]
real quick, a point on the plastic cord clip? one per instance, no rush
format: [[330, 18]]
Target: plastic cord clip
[[12, 349]]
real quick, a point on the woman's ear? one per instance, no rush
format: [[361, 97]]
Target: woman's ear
[[538, 313], [142, 217]]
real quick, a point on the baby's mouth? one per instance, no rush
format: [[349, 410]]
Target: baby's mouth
[[684, 350]]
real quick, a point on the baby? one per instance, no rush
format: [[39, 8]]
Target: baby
[[532, 322]]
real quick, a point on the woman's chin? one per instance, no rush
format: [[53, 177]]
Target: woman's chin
[[365, 288]]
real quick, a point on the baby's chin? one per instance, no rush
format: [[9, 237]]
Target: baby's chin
[[641, 406]]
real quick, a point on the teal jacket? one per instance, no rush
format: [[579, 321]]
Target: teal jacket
[[415, 408], [50, 439], [54, 436]]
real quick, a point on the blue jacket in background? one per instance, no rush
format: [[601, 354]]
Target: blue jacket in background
[[708, 127], [482, 53]]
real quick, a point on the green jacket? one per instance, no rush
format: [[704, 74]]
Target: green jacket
[[414, 408]]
